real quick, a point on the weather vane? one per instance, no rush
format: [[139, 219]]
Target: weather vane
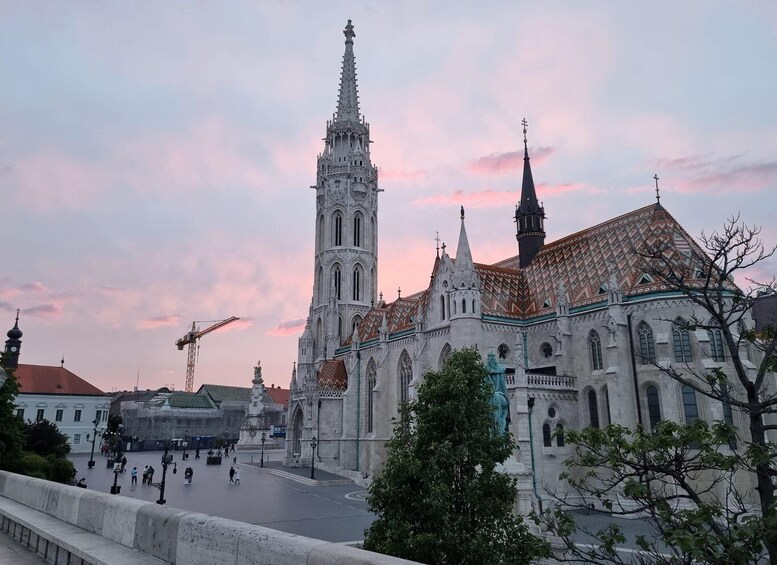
[[658, 195]]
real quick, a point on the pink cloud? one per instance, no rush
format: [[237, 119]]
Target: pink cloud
[[401, 175], [288, 327], [44, 311], [506, 162], [158, 322], [8, 289]]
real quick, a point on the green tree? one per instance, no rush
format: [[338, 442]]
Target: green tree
[[440, 497], [11, 427], [695, 481], [44, 438]]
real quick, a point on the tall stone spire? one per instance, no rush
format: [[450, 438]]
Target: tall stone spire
[[464, 271], [13, 345], [529, 214], [348, 100]]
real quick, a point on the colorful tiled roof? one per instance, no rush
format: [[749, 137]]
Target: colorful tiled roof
[[332, 375], [185, 400], [42, 379]]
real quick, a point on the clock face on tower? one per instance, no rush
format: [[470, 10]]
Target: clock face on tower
[[13, 349]]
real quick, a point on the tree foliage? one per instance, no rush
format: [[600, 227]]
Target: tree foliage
[[440, 497], [44, 438], [694, 481], [11, 427]]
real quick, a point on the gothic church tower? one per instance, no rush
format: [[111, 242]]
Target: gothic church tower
[[346, 253]]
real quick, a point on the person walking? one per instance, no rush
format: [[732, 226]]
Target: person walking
[[134, 475], [187, 476], [123, 463], [197, 453], [150, 474], [237, 476], [231, 474], [145, 475]]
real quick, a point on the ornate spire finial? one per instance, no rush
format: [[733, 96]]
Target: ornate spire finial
[[62, 361], [437, 239], [462, 212], [399, 292], [443, 247], [525, 125], [658, 194], [348, 32], [17, 315]]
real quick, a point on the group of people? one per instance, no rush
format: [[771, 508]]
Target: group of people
[[234, 475]]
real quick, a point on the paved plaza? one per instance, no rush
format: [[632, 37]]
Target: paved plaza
[[282, 502]]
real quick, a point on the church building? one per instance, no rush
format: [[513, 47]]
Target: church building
[[576, 324]]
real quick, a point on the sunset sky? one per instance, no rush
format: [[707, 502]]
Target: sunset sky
[[156, 157]]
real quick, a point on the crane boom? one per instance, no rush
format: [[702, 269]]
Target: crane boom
[[190, 339]]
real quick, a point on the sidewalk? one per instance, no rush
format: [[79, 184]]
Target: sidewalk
[[13, 552], [302, 474]]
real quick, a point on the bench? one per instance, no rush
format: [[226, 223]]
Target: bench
[[63, 543]]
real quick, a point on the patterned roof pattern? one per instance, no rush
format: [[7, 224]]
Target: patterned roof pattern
[[183, 400], [332, 375], [42, 379], [580, 261]]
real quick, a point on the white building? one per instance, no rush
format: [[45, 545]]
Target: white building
[[59, 396]]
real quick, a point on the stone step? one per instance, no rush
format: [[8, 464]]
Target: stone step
[[308, 481]]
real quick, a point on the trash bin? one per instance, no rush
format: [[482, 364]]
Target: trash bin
[[116, 489], [110, 464]]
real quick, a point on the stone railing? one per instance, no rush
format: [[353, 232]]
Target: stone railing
[[551, 381], [69, 524]]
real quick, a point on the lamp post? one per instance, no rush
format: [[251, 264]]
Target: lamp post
[[313, 444], [94, 438], [115, 489], [185, 441], [166, 460], [264, 438]]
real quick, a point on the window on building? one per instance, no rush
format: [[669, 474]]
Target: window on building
[[681, 338], [372, 377], [593, 409], [337, 276], [728, 415], [405, 376], [338, 229], [20, 413], [546, 350], [463, 306], [503, 351], [357, 284], [39, 415], [654, 406], [76, 439], [690, 409], [559, 435], [442, 307], [647, 344], [77, 415], [357, 230], [58, 416], [716, 344], [546, 436], [606, 396], [596, 351]]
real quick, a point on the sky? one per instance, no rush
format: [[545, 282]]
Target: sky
[[156, 157]]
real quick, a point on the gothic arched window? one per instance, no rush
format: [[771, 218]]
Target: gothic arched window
[[653, 405], [546, 436], [681, 338], [357, 230], [560, 435], [355, 322], [372, 378], [595, 345], [337, 279], [689, 404], [593, 409], [503, 350], [716, 344], [444, 354], [320, 233], [463, 306], [337, 228], [405, 376], [442, 307], [357, 283], [647, 343]]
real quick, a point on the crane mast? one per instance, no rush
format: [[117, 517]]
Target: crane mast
[[191, 338]]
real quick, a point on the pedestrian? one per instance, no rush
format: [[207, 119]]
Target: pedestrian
[[145, 475], [234, 459], [231, 474], [187, 476], [150, 474], [233, 447], [237, 476], [197, 453], [123, 463], [134, 475]]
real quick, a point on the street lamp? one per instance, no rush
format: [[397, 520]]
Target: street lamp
[[166, 461], [185, 441], [94, 437], [264, 438], [115, 489], [313, 444]]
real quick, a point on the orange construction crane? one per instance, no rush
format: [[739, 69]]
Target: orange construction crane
[[191, 338]]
